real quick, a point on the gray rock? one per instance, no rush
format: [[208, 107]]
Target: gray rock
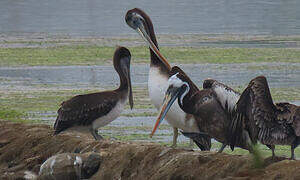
[[70, 166], [91, 165]]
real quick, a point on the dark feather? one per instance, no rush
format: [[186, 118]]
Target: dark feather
[[202, 140], [265, 121], [84, 109]]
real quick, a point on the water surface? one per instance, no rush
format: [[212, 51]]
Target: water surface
[[278, 75], [106, 18]]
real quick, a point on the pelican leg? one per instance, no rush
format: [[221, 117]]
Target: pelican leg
[[95, 134], [293, 147], [249, 144], [272, 147], [191, 144], [175, 136], [222, 148], [292, 153]]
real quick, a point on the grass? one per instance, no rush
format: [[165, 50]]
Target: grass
[[101, 55], [264, 151], [49, 100], [280, 94], [20, 106], [13, 115]]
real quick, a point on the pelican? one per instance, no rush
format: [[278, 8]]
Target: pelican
[[158, 77], [96, 110], [211, 107], [265, 121]]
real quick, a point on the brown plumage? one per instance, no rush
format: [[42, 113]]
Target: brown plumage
[[265, 121], [159, 74], [212, 107], [98, 109], [133, 18]]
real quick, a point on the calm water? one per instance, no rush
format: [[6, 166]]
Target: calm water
[[106, 18], [278, 74]]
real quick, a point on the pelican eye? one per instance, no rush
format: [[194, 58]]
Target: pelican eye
[[136, 21], [205, 99]]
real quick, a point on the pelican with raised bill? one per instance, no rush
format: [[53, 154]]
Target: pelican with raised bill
[[96, 110], [158, 78], [265, 121], [211, 107]]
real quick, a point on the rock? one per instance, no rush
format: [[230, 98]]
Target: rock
[[70, 166], [62, 166], [91, 165]]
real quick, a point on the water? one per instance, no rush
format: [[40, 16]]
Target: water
[[73, 77], [106, 18], [278, 74], [296, 103]]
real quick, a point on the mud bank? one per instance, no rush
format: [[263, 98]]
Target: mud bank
[[26, 146]]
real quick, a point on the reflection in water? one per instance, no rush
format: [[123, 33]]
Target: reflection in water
[[106, 18]]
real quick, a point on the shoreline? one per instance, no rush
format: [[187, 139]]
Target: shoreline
[[17, 40]]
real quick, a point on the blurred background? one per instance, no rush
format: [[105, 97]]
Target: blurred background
[[106, 18]]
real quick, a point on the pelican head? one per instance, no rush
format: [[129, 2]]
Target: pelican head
[[122, 64], [178, 89], [141, 23]]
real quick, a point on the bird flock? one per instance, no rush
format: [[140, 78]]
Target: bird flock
[[215, 111]]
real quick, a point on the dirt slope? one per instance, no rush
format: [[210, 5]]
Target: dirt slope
[[27, 146]]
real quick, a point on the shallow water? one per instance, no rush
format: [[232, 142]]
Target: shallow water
[[296, 103], [278, 74], [74, 77], [106, 18], [124, 126]]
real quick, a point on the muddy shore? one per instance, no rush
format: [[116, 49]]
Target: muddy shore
[[26, 146]]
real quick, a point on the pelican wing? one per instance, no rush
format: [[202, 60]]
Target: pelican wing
[[226, 95], [256, 112], [84, 109], [296, 120]]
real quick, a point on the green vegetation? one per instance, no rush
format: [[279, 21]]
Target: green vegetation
[[13, 115], [280, 94], [264, 151], [22, 106], [41, 101], [101, 55]]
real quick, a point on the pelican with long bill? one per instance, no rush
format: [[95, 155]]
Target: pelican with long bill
[[159, 74], [172, 94], [136, 22]]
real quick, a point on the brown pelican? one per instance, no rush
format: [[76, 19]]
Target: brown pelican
[[265, 121], [158, 77], [211, 107], [96, 110]]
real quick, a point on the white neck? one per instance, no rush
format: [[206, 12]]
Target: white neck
[[185, 92]]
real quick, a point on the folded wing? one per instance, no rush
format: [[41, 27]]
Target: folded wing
[[83, 110]]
